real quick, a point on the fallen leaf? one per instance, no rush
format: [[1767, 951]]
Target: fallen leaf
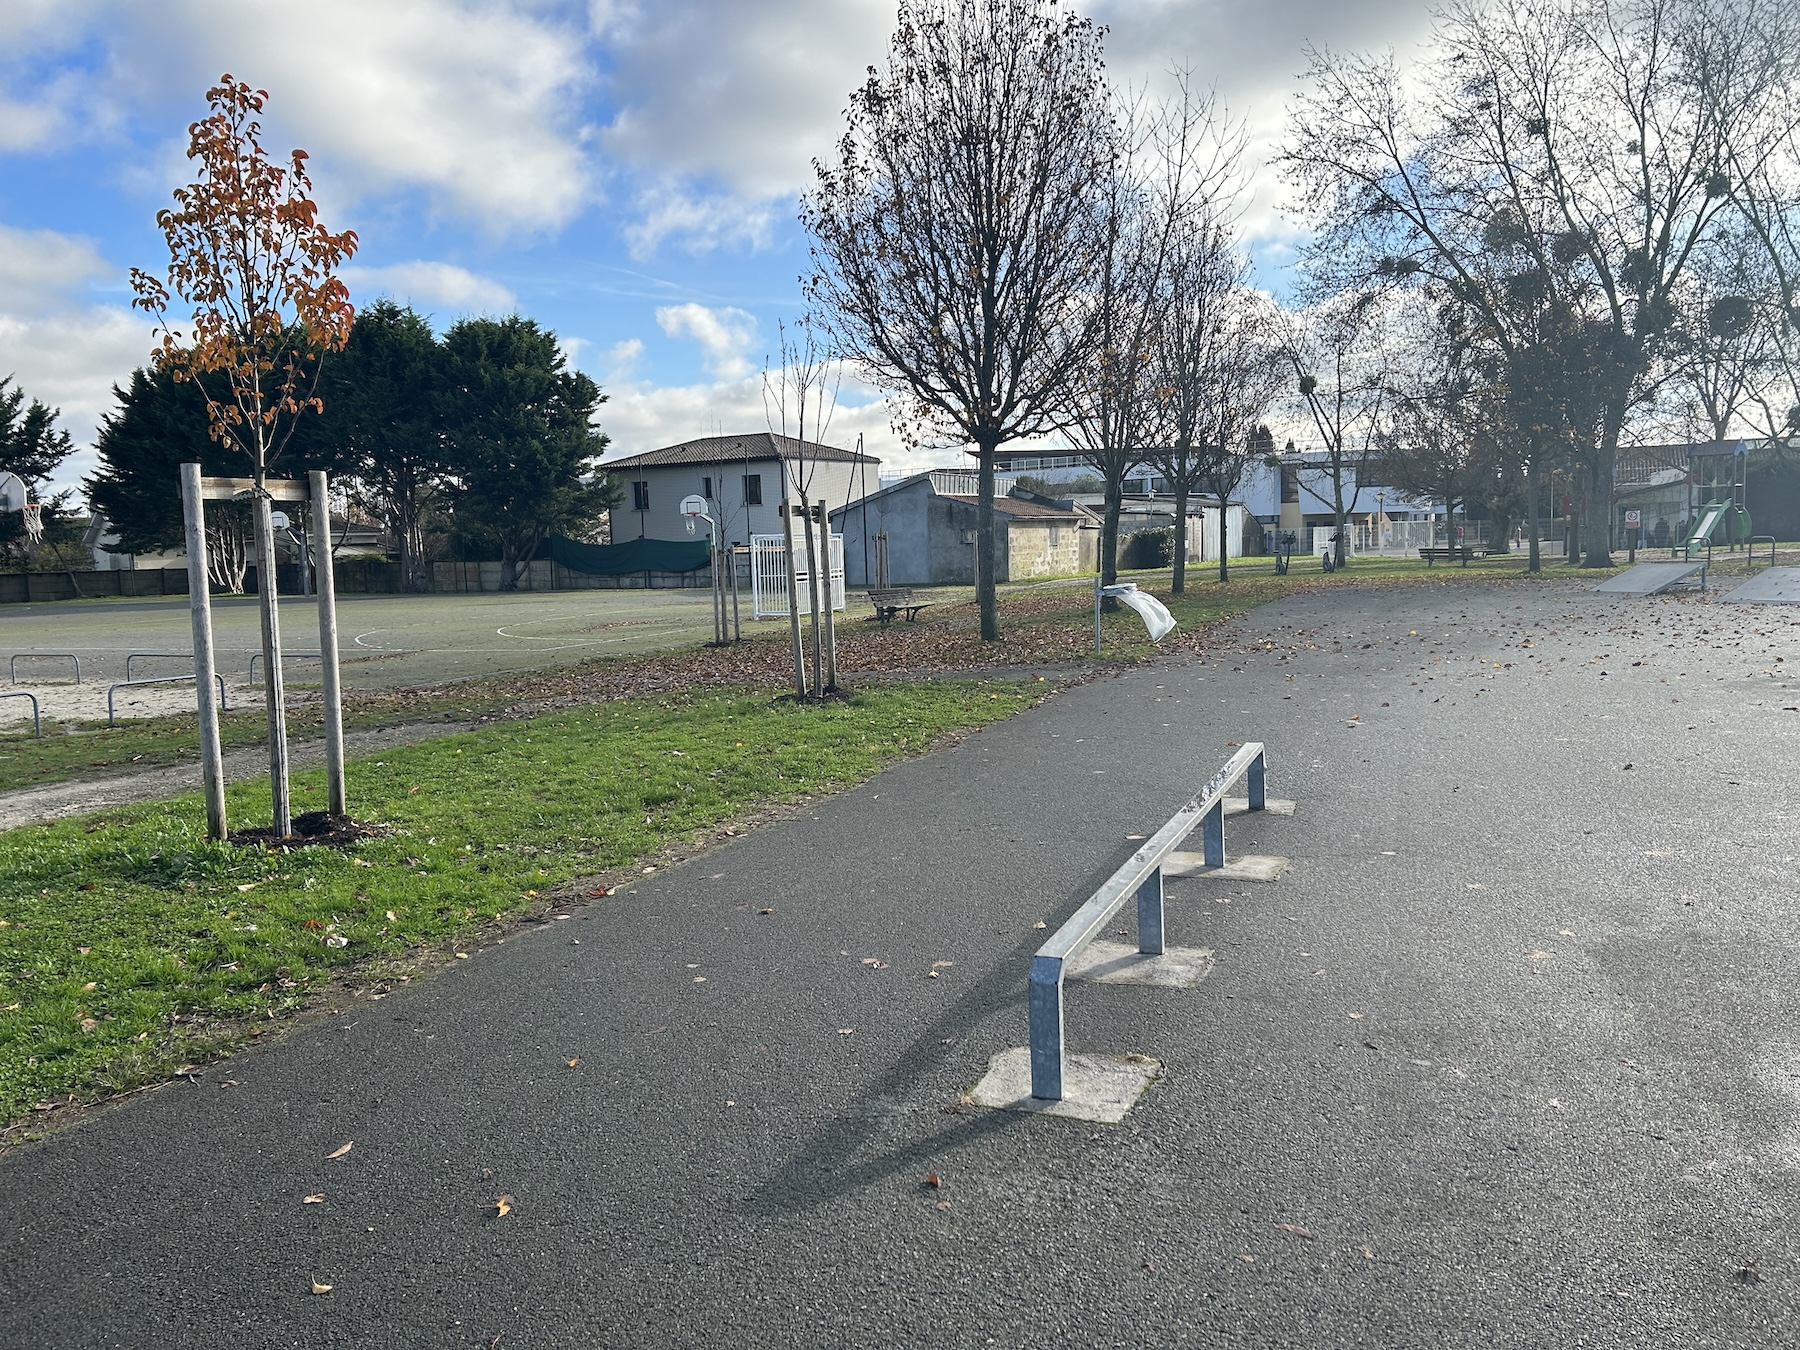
[[1298, 1230], [503, 1205], [361, 862], [1040, 924], [1356, 1017], [1367, 1251], [320, 1288], [340, 1151], [846, 1031], [769, 910], [462, 956], [318, 1199], [1150, 1265], [249, 885], [89, 987], [392, 917], [575, 1061], [943, 1205], [699, 979], [933, 1180]]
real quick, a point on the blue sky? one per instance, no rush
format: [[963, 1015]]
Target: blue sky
[[624, 171]]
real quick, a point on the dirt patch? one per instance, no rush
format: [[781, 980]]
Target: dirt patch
[[313, 829]]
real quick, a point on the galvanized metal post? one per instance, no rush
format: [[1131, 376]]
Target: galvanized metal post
[[335, 797], [1044, 1004], [1096, 614], [212, 770], [1150, 914], [274, 686], [793, 583], [1213, 831], [1258, 783]]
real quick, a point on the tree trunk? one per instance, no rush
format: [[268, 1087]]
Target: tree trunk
[[1597, 517], [985, 595], [1534, 562], [1109, 540], [1224, 536], [1178, 580], [1499, 532]]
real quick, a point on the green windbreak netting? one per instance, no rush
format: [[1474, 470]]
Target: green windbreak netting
[[634, 555]]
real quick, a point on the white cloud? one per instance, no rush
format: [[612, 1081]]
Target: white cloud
[[622, 360], [725, 336], [702, 222], [71, 359], [431, 286], [39, 268], [476, 104]]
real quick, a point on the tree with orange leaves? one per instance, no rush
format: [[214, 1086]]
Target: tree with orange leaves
[[249, 258], [247, 252]]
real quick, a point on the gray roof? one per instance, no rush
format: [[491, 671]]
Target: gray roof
[[755, 445]]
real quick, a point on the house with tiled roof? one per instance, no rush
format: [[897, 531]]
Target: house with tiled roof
[[921, 532], [744, 479]]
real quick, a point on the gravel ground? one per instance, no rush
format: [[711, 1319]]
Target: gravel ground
[[1506, 1059]]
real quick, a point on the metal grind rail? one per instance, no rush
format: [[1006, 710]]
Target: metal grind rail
[[164, 679], [12, 666], [1141, 876], [37, 719]]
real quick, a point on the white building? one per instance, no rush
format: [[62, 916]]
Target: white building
[[744, 480]]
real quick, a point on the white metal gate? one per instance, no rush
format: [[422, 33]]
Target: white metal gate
[[768, 574]]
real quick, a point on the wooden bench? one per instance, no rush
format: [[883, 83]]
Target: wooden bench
[[890, 602], [1449, 553]]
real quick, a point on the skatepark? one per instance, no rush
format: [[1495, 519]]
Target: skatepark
[[1502, 1056]]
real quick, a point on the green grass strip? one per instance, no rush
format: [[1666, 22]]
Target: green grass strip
[[130, 944]]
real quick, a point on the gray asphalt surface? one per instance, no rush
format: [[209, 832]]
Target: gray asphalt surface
[[1511, 1049]]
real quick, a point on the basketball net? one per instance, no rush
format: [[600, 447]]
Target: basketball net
[[34, 521]]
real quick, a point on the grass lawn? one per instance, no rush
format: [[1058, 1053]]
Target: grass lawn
[[129, 945]]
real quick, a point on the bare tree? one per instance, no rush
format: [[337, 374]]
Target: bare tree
[[955, 238], [1335, 352], [1169, 171], [799, 398], [1217, 375], [1560, 157]]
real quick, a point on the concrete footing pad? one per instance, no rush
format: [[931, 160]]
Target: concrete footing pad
[[1115, 963], [1100, 1088], [1272, 806], [1250, 867]]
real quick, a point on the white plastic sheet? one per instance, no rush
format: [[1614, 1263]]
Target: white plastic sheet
[[1152, 611]]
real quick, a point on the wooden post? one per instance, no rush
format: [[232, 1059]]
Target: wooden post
[[793, 584], [274, 687], [830, 623], [326, 588], [212, 769]]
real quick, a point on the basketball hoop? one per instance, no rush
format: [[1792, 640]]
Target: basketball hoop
[[34, 522]]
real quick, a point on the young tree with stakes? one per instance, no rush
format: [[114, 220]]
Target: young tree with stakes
[[250, 259], [799, 397], [956, 239]]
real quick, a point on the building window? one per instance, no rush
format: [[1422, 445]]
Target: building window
[[1055, 535], [753, 489], [640, 495]]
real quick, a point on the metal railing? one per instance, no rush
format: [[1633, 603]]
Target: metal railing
[[37, 720], [165, 679], [158, 656], [1141, 876], [12, 666], [1754, 540], [250, 677]]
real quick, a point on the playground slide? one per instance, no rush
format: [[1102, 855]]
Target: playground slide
[[1710, 516]]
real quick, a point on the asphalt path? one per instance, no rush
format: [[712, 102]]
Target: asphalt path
[[1507, 1058]]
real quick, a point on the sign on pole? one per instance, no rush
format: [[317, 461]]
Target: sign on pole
[[1634, 520]]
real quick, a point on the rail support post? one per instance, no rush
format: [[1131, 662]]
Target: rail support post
[[1046, 1016], [1212, 828], [1150, 914], [326, 589]]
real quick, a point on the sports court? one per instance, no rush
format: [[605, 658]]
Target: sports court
[[386, 641]]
